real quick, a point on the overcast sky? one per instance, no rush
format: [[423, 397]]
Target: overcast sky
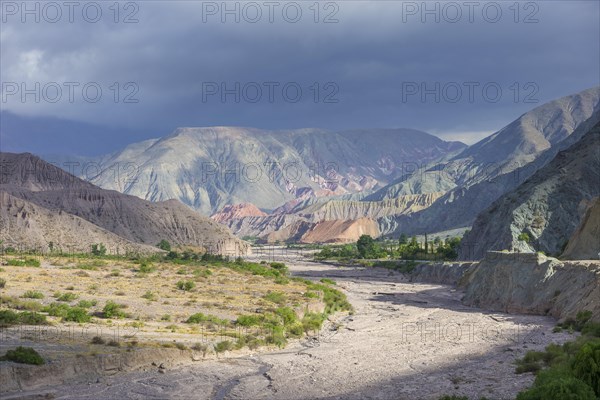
[[337, 65]]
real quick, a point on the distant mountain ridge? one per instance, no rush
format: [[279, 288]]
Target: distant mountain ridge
[[208, 168]]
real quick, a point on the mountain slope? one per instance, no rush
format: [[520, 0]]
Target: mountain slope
[[27, 226], [29, 178], [208, 168], [585, 242], [546, 209]]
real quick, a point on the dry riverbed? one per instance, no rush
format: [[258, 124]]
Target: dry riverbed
[[404, 341]]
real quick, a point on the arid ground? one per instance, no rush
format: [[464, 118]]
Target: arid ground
[[404, 341]]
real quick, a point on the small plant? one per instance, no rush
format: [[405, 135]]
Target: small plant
[[113, 343], [2, 283], [166, 317], [146, 267], [150, 296], [97, 340], [200, 317], [87, 303], [98, 249], [223, 346], [113, 310], [32, 294], [66, 297], [275, 297], [186, 285], [23, 355], [164, 245], [328, 281], [181, 346], [524, 237]]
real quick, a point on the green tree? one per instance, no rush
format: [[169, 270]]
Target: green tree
[[366, 246], [403, 239], [98, 249]]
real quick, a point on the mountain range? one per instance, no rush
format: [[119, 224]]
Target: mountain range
[[285, 185]]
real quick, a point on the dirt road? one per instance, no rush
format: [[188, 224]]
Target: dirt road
[[405, 341]]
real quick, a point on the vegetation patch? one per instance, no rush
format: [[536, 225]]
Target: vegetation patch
[[23, 355]]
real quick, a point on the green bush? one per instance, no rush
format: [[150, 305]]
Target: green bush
[[200, 317], [23, 355], [113, 310], [586, 365], [524, 237], [164, 245], [8, 317], [312, 321], [328, 281], [2, 283], [23, 262], [287, 315], [87, 303], [186, 285], [32, 294], [249, 320], [66, 297], [225, 345], [32, 318], [564, 388], [275, 297], [77, 314]]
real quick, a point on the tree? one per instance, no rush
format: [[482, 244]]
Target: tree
[[366, 246], [403, 239], [98, 249], [164, 245], [426, 244]]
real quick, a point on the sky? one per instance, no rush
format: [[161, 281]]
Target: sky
[[92, 77]]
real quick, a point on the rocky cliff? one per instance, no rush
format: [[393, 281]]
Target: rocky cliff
[[523, 283], [585, 242]]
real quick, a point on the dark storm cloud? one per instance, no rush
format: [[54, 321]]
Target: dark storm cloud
[[361, 67]]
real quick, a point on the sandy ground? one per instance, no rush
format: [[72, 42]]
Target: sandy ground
[[405, 341]]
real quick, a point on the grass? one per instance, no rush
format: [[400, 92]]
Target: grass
[[150, 296], [276, 297], [23, 355]]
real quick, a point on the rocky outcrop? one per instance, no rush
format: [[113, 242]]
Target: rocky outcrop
[[534, 284], [237, 211], [340, 231], [585, 242], [448, 273], [131, 218]]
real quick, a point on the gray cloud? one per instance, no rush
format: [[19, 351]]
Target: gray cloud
[[364, 61]]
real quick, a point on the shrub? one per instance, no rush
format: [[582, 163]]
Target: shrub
[[287, 315], [2, 283], [186, 285], [113, 310], [564, 388], [200, 317], [77, 314], [165, 317], [66, 297], [275, 297], [312, 321], [32, 318], [32, 294], [150, 296], [87, 303], [524, 237], [164, 245], [97, 340], [249, 320], [328, 281], [23, 355], [146, 267], [8, 317], [224, 345], [586, 365], [23, 262]]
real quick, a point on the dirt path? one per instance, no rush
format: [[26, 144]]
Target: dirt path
[[405, 341]]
